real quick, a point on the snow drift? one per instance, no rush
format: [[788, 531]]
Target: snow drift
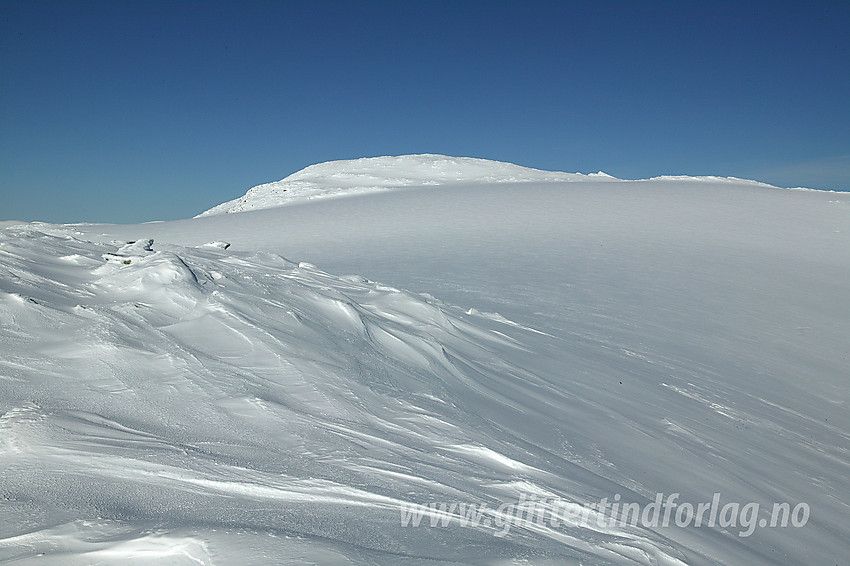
[[196, 392]]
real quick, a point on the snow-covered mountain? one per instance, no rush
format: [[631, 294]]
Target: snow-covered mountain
[[374, 174], [453, 367], [353, 177]]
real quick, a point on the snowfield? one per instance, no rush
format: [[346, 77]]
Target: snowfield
[[377, 174], [373, 355]]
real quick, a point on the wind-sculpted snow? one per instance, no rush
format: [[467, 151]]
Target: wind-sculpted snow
[[189, 390], [168, 397]]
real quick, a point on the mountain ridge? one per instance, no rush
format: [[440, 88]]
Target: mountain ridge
[[373, 174], [349, 177]]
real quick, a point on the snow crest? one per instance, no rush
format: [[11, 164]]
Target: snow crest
[[166, 397], [193, 388], [375, 174]]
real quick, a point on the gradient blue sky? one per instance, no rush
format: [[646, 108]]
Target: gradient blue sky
[[132, 111]]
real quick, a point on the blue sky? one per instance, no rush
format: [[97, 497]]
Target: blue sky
[[133, 111]]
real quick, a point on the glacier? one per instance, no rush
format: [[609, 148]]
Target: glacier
[[286, 376]]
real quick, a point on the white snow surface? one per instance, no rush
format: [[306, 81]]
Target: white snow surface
[[374, 174], [353, 177], [196, 392]]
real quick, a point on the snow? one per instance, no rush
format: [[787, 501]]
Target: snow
[[346, 178], [452, 330], [7, 223], [375, 174]]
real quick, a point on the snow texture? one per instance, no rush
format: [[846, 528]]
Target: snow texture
[[196, 392]]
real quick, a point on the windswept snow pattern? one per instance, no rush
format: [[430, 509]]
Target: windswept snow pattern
[[167, 397], [192, 388]]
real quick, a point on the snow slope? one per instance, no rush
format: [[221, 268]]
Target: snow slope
[[183, 401], [375, 174]]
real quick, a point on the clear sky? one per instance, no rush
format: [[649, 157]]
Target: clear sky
[[131, 111]]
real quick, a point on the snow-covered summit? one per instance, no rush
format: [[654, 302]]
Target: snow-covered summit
[[533, 352], [350, 177], [373, 174]]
